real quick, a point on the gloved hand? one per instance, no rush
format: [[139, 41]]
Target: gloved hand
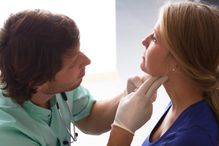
[[132, 84], [135, 109]]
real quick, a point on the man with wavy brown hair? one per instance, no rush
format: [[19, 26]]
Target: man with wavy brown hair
[[42, 68]]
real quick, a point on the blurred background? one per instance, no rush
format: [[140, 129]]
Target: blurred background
[[134, 20], [111, 36]]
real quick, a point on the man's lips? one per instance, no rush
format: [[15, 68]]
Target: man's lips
[[82, 73]]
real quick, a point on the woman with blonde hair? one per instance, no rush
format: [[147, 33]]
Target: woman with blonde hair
[[183, 46]]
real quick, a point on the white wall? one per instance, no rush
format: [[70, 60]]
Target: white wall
[[95, 19], [134, 20]]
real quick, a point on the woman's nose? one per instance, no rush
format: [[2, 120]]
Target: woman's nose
[[145, 42]]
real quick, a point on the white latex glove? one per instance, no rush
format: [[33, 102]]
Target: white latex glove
[[135, 109], [132, 84]]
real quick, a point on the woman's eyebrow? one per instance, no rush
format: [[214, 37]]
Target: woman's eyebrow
[[157, 34]]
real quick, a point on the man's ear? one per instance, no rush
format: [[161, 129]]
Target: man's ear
[[38, 86], [42, 87]]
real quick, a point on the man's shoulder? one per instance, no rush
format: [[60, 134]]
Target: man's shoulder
[[10, 134], [18, 128]]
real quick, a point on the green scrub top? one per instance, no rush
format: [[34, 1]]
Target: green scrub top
[[31, 125]]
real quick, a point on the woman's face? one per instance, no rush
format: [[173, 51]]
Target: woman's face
[[156, 58]]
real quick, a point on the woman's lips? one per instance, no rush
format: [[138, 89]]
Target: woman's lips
[[143, 58]]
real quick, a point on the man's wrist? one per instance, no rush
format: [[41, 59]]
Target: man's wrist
[[119, 137], [122, 127]]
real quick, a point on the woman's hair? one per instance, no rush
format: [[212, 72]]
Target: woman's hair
[[32, 46], [191, 32]]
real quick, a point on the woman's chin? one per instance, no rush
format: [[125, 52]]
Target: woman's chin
[[146, 71], [143, 68]]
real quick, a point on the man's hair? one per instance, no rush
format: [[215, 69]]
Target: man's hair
[[32, 46]]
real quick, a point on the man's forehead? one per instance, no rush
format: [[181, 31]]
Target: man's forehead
[[73, 51]]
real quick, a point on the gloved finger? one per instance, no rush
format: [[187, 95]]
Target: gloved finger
[[132, 84], [136, 81], [142, 90], [154, 96], [155, 86], [145, 77]]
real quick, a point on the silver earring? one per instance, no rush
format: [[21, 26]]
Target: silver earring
[[174, 68]]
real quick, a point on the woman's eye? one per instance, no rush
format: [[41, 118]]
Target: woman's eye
[[153, 38]]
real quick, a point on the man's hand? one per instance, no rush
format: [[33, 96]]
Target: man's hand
[[133, 83], [135, 109]]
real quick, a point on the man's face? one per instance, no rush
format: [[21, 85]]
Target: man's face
[[71, 74]]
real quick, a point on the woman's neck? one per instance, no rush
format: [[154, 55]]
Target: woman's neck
[[182, 91]]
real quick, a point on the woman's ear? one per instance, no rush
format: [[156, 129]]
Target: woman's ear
[[172, 64]]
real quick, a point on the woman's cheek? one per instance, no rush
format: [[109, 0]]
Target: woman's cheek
[[143, 65]]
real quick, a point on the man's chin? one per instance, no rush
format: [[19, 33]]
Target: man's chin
[[75, 85]]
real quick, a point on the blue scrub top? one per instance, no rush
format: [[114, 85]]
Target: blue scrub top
[[31, 125], [196, 126]]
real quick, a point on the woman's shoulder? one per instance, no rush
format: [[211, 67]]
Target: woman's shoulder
[[195, 135], [197, 125]]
